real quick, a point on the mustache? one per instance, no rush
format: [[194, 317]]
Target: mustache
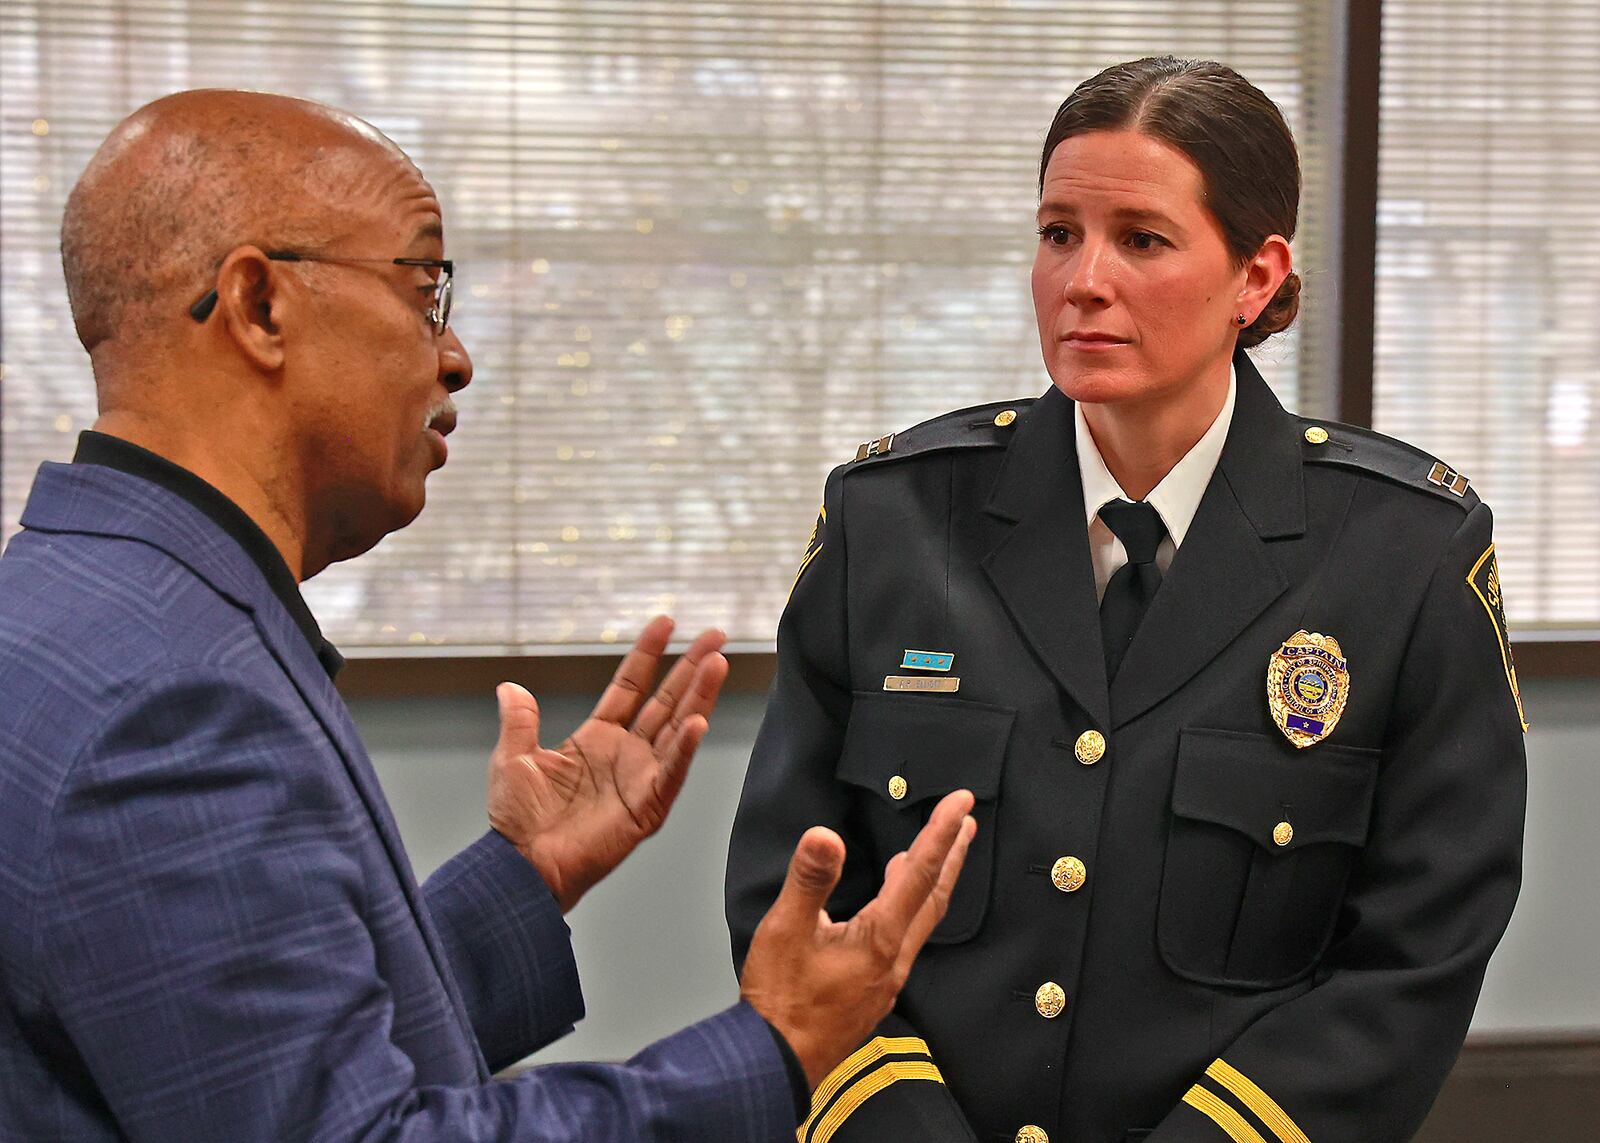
[[443, 408]]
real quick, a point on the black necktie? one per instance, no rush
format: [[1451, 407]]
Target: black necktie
[[1133, 585]]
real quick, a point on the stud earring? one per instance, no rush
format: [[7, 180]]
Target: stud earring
[[1241, 320]]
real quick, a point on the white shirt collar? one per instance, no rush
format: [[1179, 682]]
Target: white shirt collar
[[1177, 497]]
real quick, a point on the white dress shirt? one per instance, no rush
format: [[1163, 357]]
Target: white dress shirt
[[1175, 499]]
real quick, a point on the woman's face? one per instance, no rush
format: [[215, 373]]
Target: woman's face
[[1135, 291]]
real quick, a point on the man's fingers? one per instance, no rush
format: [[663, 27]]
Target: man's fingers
[[668, 705], [675, 766], [700, 697], [621, 700], [907, 886], [933, 909], [814, 870]]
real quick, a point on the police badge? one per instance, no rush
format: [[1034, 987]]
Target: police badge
[[1308, 683]]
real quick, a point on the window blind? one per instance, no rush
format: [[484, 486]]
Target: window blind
[[703, 250], [1488, 345]]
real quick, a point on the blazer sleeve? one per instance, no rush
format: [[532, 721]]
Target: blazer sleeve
[[891, 1087], [510, 950], [209, 958], [1364, 1052]]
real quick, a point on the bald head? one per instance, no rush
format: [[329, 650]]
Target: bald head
[[191, 176]]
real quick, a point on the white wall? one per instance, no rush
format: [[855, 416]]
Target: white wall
[[652, 946]]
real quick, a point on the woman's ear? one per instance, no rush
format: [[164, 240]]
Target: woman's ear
[[1264, 273]]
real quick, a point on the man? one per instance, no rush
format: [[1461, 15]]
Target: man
[[212, 928]]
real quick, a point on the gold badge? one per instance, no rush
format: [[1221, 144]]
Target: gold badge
[[1485, 581], [1308, 683]]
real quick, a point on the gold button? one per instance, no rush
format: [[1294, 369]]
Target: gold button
[[1050, 1000], [1032, 1134], [1316, 434], [897, 787], [1005, 418], [1090, 747], [1283, 833], [1069, 874]]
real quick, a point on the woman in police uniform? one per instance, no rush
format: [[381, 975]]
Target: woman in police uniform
[[1231, 685]]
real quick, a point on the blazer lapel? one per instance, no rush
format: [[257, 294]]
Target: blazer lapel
[[1041, 568], [288, 645], [1225, 574], [101, 501]]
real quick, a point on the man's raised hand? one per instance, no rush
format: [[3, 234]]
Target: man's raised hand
[[576, 811], [826, 984]]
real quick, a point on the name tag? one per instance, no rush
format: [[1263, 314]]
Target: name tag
[[920, 683]]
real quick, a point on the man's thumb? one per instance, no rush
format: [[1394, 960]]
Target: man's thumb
[[519, 716], [814, 870]]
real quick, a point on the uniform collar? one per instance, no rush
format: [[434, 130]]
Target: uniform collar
[[1177, 497]]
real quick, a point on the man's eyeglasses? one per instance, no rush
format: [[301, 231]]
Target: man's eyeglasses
[[438, 312]]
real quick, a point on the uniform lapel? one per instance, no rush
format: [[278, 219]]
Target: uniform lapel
[[1226, 573], [1041, 567]]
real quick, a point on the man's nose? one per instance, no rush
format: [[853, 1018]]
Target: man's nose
[[455, 367]]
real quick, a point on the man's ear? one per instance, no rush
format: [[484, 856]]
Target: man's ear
[[1264, 273], [250, 304]]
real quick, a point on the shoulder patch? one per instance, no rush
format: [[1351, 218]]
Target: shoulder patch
[[980, 426], [1484, 579], [813, 547], [1350, 446]]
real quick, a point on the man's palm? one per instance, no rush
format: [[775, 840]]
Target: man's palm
[[576, 811]]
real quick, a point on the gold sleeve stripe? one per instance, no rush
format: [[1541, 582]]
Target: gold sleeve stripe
[[871, 1052], [1258, 1101], [1224, 1116], [804, 564], [868, 1086]]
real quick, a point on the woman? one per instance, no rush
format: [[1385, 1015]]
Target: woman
[[1231, 686]]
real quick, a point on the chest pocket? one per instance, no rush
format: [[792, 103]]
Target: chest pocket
[[903, 753], [1260, 847]]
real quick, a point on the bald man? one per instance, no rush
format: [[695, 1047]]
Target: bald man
[[211, 927]]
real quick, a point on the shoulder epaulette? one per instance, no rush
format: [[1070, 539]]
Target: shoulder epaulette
[[1329, 442], [980, 426]]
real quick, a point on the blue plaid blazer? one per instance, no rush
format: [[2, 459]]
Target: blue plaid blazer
[[209, 928]]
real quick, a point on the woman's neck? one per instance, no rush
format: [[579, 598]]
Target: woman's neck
[[1142, 440]]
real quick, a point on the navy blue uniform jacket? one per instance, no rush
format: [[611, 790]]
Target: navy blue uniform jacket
[[210, 928], [1186, 929]]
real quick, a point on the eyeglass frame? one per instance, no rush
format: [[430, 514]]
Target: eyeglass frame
[[438, 313]]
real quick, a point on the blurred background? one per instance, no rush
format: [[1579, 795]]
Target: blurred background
[[704, 249]]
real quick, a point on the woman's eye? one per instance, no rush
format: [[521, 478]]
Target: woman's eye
[[1143, 240], [1055, 235]]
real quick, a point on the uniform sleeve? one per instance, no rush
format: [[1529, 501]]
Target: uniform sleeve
[[891, 1087], [208, 943], [510, 950], [1363, 1053]]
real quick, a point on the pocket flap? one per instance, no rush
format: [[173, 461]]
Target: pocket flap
[[1251, 783], [934, 745]]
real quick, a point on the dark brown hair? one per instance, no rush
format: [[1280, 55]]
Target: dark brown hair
[[1228, 128]]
